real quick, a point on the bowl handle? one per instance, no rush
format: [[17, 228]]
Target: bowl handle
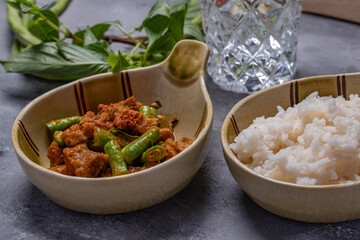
[[187, 61]]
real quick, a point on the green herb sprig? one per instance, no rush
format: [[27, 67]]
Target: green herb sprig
[[43, 49]]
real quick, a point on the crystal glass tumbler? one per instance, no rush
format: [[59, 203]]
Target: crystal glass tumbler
[[252, 42]]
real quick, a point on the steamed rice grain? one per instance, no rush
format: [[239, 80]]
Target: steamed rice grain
[[314, 142]]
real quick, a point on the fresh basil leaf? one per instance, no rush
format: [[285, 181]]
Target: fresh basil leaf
[[119, 26], [102, 48], [116, 24], [191, 30], [117, 62], [193, 24], [160, 7], [164, 44], [56, 61], [164, 26], [25, 8], [193, 10], [43, 30], [157, 21], [89, 37], [114, 62], [156, 26], [177, 18], [75, 53], [98, 30], [14, 5], [20, 5], [51, 17]]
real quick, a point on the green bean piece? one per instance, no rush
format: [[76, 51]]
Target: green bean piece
[[101, 137], [63, 123], [15, 48], [153, 154], [57, 138], [59, 7], [134, 149], [148, 111], [116, 158], [163, 123], [22, 33]]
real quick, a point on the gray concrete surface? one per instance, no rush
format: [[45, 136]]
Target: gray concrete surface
[[213, 206]]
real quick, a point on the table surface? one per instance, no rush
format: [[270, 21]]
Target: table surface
[[212, 206]]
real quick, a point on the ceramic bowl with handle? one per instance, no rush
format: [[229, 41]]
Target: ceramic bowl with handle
[[178, 83], [309, 203]]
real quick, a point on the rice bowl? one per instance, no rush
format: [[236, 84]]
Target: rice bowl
[[314, 142], [308, 203]]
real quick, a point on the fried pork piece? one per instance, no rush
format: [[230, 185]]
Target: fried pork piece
[[55, 154], [133, 122], [166, 133], [106, 173], [183, 143], [84, 162], [102, 120], [74, 136], [62, 169], [173, 148], [131, 103], [124, 116], [88, 129]]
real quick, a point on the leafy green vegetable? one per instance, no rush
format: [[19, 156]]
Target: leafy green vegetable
[[57, 61], [157, 21], [102, 48], [42, 30], [191, 30], [89, 37], [177, 18], [164, 27], [118, 62], [41, 49], [24, 36], [98, 30]]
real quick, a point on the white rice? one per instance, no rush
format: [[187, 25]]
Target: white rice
[[314, 142]]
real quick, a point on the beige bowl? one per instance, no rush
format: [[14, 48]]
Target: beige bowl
[[322, 203], [178, 83]]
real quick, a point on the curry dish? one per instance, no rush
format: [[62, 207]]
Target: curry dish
[[122, 138]]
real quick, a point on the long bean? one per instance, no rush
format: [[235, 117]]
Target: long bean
[[63, 123], [57, 138], [153, 154], [101, 137], [22, 33], [16, 47], [138, 146], [59, 7], [163, 123], [148, 111], [116, 158]]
